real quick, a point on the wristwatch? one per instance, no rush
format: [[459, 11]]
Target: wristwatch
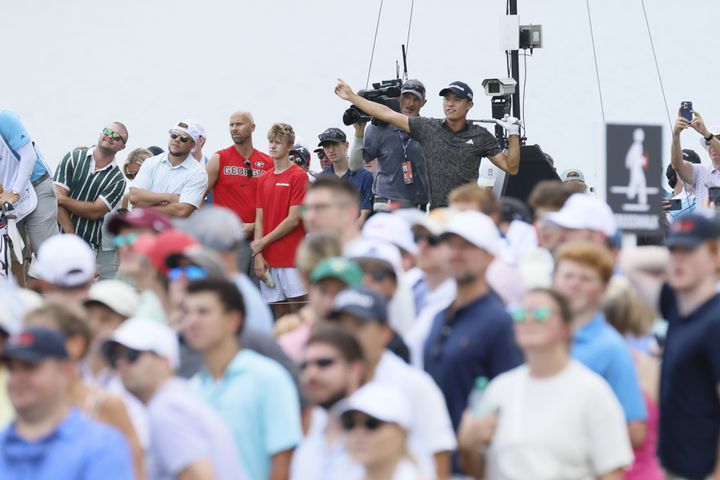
[[709, 138]]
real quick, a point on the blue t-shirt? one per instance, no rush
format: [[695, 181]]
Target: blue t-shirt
[[16, 136], [603, 350], [392, 147], [258, 402], [78, 449], [689, 404], [362, 180]]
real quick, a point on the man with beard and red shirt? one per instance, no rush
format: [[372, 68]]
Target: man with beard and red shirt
[[278, 226], [232, 172]]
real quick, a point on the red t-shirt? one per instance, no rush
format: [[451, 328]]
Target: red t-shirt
[[236, 185], [277, 192]]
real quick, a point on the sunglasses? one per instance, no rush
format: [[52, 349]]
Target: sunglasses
[[130, 176], [321, 155], [130, 355], [522, 315], [191, 272], [349, 422], [122, 240], [183, 138], [318, 362], [432, 240], [114, 135], [298, 160], [379, 274]]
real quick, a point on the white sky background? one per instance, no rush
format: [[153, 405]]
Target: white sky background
[[72, 66]]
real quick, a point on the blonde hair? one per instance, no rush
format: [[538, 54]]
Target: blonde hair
[[588, 254], [68, 319], [484, 199], [282, 133], [625, 310], [138, 156], [313, 249]]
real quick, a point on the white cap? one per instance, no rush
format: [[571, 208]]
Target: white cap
[[191, 130], [194, 123], [477, 228], [118, 296], [65, 260], [375, 250], [381, 401], [392, 229], [572, 175], [583, 211], [149, 336]]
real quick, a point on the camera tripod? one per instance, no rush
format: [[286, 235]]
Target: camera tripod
[[5, 242]]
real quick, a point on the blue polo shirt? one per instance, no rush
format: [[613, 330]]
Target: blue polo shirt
[[476, 341], [689, 379], [603, 350], [78, 449], [362, 180], [258, 402], [16, 136]]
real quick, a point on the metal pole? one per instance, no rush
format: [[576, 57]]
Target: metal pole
[[515, 67]]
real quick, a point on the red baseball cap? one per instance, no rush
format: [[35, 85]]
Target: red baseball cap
[[149, 218], [164, 245]]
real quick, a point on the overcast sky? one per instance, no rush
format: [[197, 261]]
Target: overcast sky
[[70, 67]]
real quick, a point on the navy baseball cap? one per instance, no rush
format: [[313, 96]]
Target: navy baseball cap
[[302, 155], [332, 135], [691, 230], [461, 89], [361, 303], [414, 86], [33, 345]]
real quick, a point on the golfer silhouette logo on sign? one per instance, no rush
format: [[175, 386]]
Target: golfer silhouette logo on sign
[[637, 160]]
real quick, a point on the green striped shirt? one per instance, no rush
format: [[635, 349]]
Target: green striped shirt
[[77, 174]]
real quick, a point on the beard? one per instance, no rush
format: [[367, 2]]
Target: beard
[[105, 151], [465, 278], [333, 399]]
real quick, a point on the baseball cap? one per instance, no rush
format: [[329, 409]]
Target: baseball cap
[[33, 345], [693, 229], [361, 303], [583, 211], [117, 295], [149, 218], [194, 123], [218, 228], [414, 86], [155, 150], [147, 336], [368, 249], [341, 268], [380, 401], [303, 153], [331, 135], [188, 128], [162, 246], [572, 174], [476, 228], [690, 155], [390, 228], [65, 261], [461, 89]]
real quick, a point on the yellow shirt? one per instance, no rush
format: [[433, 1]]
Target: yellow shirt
[[7, 412]]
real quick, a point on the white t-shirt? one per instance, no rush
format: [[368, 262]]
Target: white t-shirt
[[436, 301], [431, 431], [569, 426]]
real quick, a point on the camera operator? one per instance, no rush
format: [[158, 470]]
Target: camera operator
[[401, 169], [697, 176], [453, 147]]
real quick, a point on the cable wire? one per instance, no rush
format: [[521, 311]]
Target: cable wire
[[407, 41], [657, 66], [372, 54], [524, 119], [597, 71]]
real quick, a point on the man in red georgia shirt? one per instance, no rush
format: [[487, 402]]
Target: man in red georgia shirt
[[278, 226]]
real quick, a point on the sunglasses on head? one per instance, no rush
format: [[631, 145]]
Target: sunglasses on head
[[350, 422], [318, 362], [130, 355], [297, 159], [183, 138], [122, 240], [114, 135], [522, 315], [191, 272]]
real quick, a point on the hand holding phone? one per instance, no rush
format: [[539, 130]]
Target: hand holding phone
[[686, 110], [674, 204], [714, 196]]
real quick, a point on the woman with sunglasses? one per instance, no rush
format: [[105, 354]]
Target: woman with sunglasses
[[376, 420], [130, 168], [549, 419]]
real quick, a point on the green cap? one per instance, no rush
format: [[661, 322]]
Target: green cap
[[341, 268]]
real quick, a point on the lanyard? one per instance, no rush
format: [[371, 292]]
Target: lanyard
[[404, 143]]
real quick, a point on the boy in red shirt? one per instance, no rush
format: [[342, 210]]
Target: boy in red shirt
[[278, 225]]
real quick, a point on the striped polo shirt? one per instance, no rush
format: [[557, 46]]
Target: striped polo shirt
[[77, 174]]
